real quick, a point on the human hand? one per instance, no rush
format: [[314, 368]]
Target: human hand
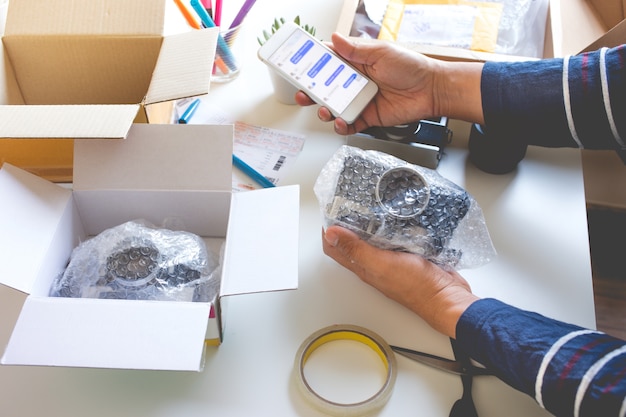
[[438, 296], [411, 86]]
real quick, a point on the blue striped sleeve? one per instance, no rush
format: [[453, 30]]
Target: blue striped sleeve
[[569, 370], [577, 101]]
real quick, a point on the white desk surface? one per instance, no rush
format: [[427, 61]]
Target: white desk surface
[[536, 217]]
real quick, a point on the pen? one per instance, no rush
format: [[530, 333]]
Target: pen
[[217, 12], [252, 173], [187, 15], [219, 63], [191, 109], [208, 7], [243, 12], [223, 48]]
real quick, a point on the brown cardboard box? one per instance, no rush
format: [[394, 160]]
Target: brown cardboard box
[[610, 11], [77, 69], [605, 167], [49, 158], [611, 16]]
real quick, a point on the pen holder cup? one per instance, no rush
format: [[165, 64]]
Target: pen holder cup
[[226, 67], [284, 91]]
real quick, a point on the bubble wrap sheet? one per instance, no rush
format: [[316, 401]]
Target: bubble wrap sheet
[[137, 261], [396, 205]]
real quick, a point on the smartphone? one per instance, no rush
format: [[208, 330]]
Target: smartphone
[[315, 69]]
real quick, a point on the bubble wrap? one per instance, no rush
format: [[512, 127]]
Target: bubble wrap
[[396, 205], [136, 261]]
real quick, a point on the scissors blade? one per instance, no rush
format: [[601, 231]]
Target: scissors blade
[[444, 364]]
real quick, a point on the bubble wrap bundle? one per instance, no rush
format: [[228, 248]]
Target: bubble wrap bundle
[[396, 205], [136, 261]]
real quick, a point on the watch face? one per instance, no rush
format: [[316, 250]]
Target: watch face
[[143, 265], [136, 262], [135, 266], [402, 192]]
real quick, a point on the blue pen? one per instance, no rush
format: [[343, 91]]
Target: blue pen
[[252, 173], [222, 46], [189, 111]]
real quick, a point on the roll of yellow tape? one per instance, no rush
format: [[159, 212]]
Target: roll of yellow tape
[[346, 332]]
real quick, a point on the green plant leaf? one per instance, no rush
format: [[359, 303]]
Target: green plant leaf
[[278, 22]]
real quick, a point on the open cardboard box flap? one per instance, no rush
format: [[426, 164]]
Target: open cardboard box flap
[[43, 222], [113, 52], [67, 121], [614, 37], [183, 68]]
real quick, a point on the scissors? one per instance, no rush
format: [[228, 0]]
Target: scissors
[[463, 407], [453, 366]]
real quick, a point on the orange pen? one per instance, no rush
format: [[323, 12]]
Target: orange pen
[[187, 15]]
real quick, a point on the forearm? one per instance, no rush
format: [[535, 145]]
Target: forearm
[[444, 310], [578, 101], [458, 93], [566, 369]]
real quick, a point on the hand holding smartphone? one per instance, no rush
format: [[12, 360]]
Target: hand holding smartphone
[[315, 69]]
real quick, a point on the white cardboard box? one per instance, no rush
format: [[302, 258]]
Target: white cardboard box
[[157, 172], [75, 68]]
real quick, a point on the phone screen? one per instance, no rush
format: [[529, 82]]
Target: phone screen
[[318, 71]]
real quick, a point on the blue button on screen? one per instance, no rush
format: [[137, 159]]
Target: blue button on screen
[[330, 79], [301, 52], [319, 65], [349, 81]]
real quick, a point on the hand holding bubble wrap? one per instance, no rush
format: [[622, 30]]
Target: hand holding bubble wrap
[[399, 206]]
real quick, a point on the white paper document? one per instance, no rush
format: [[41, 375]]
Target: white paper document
[[451, 25], [270, 152]]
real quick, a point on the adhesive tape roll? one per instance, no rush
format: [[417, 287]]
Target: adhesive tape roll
[[346, 332]]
